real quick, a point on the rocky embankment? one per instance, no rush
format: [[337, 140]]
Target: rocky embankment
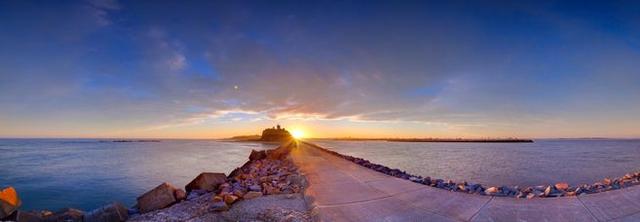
[[268, 187], [544, 191]]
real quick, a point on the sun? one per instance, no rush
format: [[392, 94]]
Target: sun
[[297, 133]]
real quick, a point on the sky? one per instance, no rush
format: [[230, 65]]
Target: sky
[[215, 69]]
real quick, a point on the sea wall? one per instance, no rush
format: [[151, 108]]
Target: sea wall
[[543, 191]]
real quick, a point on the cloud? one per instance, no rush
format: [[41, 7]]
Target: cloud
[[171, 65], [100, 10]]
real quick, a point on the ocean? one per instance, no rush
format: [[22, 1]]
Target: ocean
[[86, 174]]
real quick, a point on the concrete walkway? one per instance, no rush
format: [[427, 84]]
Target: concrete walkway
[[341, 190]]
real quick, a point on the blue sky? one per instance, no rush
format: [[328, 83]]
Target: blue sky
[[110, 68]]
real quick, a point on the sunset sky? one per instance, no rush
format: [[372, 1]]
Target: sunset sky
[[332, 69]]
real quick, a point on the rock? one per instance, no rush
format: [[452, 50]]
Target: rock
[[606, 181], [206, 181], [160, 197], [46, 213], [217, 198], [114, 212], [238, 193], [9, 202], [296, 180], [180, 195], [255, 188], [192, 196], [133, 210], [531, 195], [538, 193], [229, 199], [219, 206], [251, 195], [278, 153], [562, 186], [551, 191], [257, 155], [491, 191], [66, 215], [23, 216]]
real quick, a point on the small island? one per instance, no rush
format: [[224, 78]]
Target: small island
[[276, 134], [273, 134]]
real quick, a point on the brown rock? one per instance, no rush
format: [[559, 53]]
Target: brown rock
[[606, 181], [115, 212], [238, 193], [206, 181], [217, 198], [219, 206], [251, 195], [46, 213], [160, 197], [562, 186], [180, 195], [278, 153], [257, 155], [67, 215], [491, 190], [9, 202], [23, 216], [229, 199]]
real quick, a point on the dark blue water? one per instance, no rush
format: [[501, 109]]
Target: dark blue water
[[494, 164], [86, 174]]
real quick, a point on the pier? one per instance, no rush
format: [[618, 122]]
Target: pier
[[339, 190]]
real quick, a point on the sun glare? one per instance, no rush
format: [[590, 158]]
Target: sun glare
[[297, 134]]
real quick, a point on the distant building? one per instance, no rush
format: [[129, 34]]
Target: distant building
[[275, 134]]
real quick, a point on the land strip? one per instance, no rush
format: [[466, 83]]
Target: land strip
[[339, 190]]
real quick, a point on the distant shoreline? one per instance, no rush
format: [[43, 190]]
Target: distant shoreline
[[435, 140]]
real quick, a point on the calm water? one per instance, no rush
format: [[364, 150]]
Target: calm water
[[86, 174], [542, 162]]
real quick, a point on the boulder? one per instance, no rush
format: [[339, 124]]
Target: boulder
[[296, 180], [251, 195], [115, 212], [180, 195], [238, 193], [217, 198], [23, 216], [531, 195], [491, 190], [551, 191], [278, 153], [257, 155], [160, 197], [255, 187], [67, 215], [219, 206], [206, 181], [229, 199], [562, 186], [9, 202]]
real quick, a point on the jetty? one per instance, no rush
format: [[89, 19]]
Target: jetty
[[340, 190]]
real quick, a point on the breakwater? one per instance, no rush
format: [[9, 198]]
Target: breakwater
[[543, 191], [268, 178]]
